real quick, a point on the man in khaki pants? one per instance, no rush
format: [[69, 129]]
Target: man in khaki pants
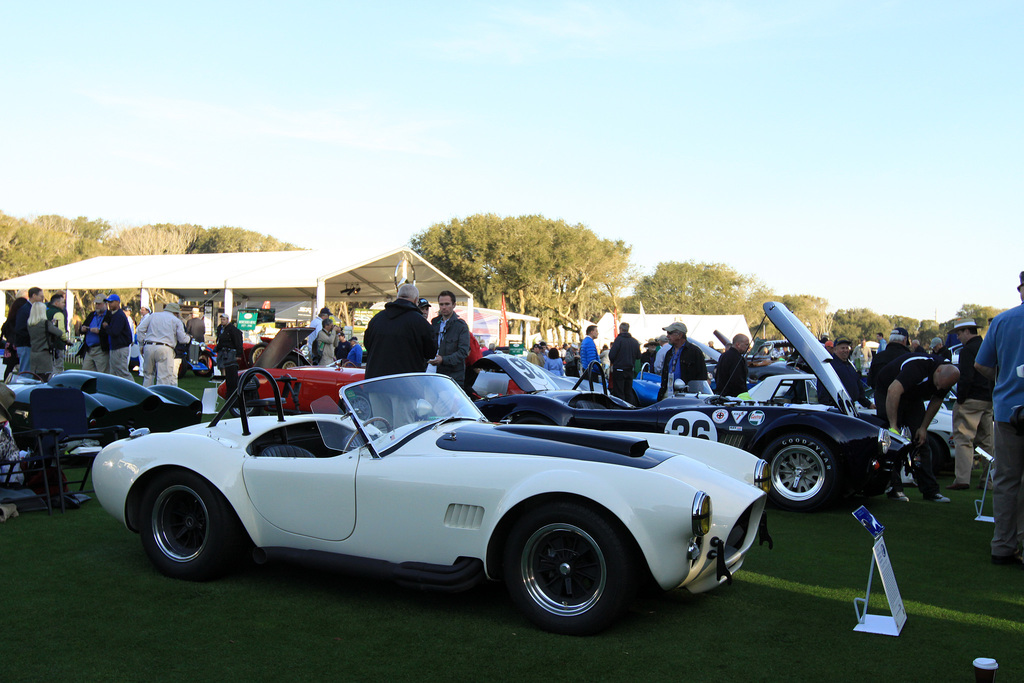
[[972, 414], [159, 334]]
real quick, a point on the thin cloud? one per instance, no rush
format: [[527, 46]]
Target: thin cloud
[[354, 128]]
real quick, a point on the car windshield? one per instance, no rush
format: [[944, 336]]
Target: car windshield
[[390, 408]]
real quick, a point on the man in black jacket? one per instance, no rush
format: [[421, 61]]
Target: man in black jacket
[[624, 354], [731, 371], [972, 414], [452, 335], [683, 361], [896, 347], [229, 344], [399, 339]]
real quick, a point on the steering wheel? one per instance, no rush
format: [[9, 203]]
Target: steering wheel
[[387, 428]]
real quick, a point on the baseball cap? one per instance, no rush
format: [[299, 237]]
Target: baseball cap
[[675, 327], [900, 331], [99, 299], [324, 311], [113, 297], [422, 303], [843, 340]]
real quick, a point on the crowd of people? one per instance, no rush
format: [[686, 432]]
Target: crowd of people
[[37, 337]]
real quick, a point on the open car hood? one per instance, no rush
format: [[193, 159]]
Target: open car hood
[[811, 350]]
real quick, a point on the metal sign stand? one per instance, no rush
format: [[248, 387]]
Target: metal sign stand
[[980, 504], [877, 623]]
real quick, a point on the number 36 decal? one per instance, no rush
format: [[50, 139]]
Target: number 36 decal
[[692, 423]]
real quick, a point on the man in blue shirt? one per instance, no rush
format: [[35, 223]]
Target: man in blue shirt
[[1001, 359], [588, 355], [355, 353]]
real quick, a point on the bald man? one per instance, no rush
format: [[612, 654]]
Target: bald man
[[901, 390]]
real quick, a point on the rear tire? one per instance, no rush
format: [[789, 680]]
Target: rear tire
[[804, 472], [188, 529], [569, 569]]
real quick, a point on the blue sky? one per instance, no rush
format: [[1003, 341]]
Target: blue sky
[[866, 152]]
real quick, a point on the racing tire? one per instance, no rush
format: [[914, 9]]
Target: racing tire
[[188, 529], [804, 472], [531, 419], [569, 569], [207, 361]]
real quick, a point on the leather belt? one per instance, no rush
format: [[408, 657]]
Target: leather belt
[[170, 346]]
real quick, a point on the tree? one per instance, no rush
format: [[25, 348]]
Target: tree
[[554, 270], [233, 240], [859, 323], [980, 314]]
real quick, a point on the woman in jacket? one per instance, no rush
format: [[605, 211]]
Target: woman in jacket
[[44, 336]]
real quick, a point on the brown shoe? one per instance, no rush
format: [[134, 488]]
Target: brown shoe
[[958, 487]]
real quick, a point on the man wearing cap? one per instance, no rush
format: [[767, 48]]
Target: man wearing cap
[[317, 324], [649, 354], [94, 345], [229, 344], [355, 353], [901, 390], [537, 354], [624, 354], [424, 306], [196, 326], [659, 358], [896, 348], [848, 373], [399, 339], [682, 361], [1001, 359], [159, 334], [119, 338], [938, 349], [731, 370], [972, 413]]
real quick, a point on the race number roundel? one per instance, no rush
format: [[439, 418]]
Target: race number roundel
[[692, 423]]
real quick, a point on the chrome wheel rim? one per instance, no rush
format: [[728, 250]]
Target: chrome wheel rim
[[563, 569], [798, 472], [180, 523]]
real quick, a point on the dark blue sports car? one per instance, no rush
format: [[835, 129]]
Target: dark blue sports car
[[816, 454]]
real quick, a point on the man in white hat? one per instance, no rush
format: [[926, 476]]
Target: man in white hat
[[972, 413], [158, 335]]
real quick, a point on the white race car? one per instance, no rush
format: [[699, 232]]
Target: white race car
[[408, 482]]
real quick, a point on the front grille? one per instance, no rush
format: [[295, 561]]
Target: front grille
[[735, 439]]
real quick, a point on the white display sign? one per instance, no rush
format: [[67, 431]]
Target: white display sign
[[877, 623]]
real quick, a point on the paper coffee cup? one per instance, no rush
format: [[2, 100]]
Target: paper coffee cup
[[985, 669]]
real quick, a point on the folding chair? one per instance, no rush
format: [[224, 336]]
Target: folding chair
[[18, 477], [58, 414]]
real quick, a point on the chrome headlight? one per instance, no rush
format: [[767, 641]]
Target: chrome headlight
[[701, 514], [762, 478], [884, 441]]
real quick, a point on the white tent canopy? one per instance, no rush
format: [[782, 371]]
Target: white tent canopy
[[356, 274]]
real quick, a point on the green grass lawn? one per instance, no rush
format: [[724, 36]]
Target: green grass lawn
[[82, 602]]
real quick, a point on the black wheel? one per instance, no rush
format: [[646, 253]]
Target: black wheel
[[207, 362], [942, 458], [805, 473], [531, 419], [569, 569], [183, 368], [188, 529]]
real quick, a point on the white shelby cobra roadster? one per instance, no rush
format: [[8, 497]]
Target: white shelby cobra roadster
[[407, 482]]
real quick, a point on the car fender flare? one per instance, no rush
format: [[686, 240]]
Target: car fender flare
[[811, 423], [552, 485]]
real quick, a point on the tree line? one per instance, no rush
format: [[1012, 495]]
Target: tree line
[[558, 271]]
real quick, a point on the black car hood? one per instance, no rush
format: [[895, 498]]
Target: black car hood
[[553, 442]]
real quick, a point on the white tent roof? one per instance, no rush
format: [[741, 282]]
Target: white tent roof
[[254, 275]]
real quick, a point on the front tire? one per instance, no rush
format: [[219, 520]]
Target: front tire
[[207, 361], [569, 569], [188, 529], [804, 472]]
